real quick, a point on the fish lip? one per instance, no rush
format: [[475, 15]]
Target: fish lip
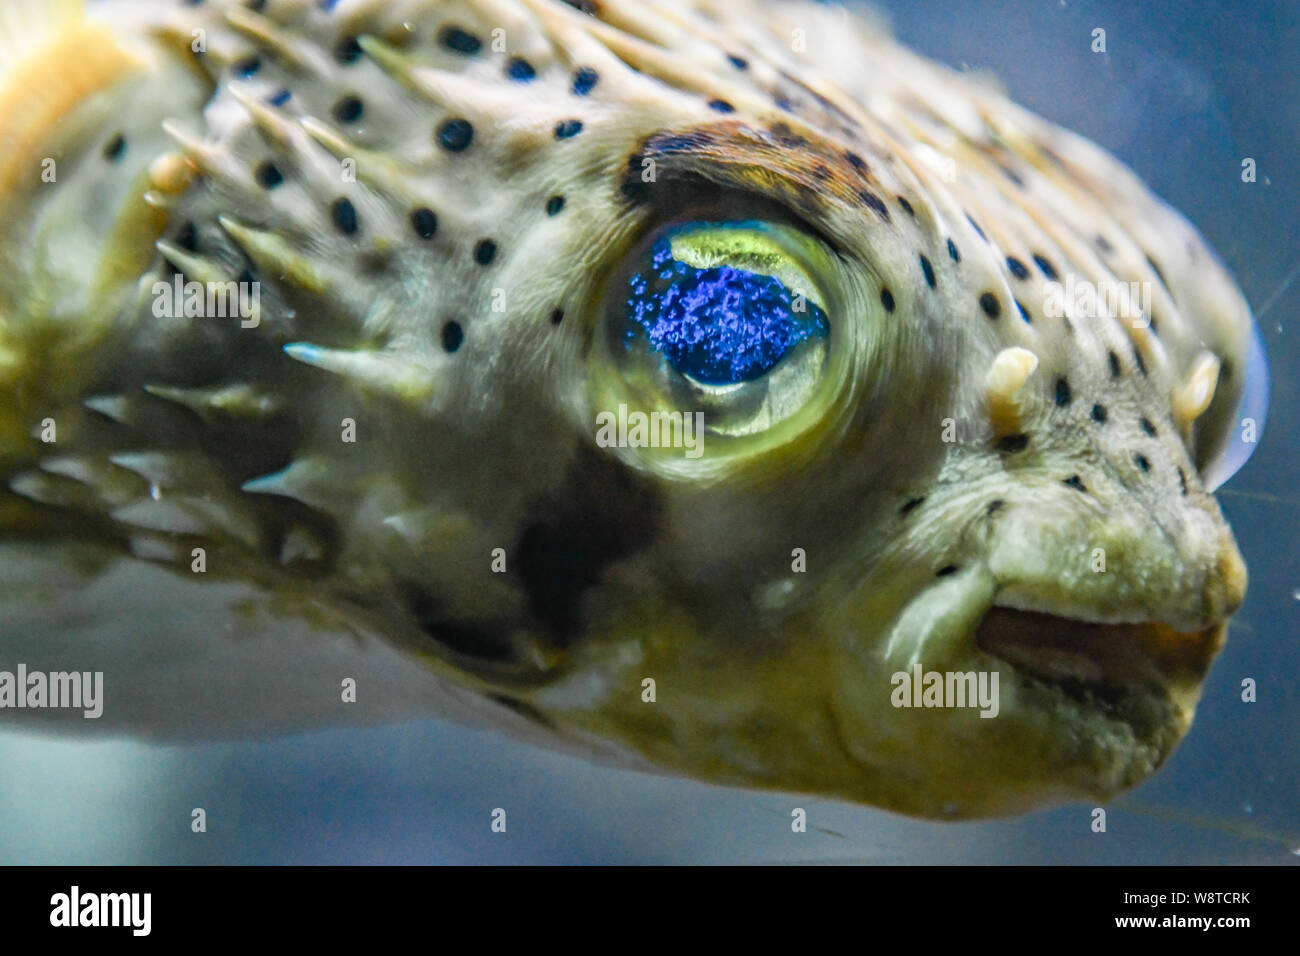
[[1099, 663]]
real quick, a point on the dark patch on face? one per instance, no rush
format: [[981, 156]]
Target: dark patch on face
[[1099, 414], [858, 163], [455, 135], [909, 504], [1137, 358], [452, 336], [554, 205], [1044, 266], [456, 40], [187, 237], [1142, 462], [994, 507], [1024, 313], [976, 226], [1018, 268], [739, 62], [1013, 443], [344, 215], [875, 203], [721, 106], [1159, 275], [946, 570], [1113, 359], [600, 513], [348, 109], [268, 175], [1012, 175], [906, 206], [348, 50], [1182, 481], [114, 148], [557, 316], [567, 129], [1104, 245], [953, 254], [485, 250], [1147, 426], [1075, 482], [584, 80], [887, 299], [424, 221], [786, 136], [468, 640], [590, 7]]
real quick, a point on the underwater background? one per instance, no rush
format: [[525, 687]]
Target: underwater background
[[1186, 90]]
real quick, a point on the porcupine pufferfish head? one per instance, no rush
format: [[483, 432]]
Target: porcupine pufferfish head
[[919, 448]]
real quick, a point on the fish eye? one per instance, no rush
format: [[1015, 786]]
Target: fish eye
[[729, 318]]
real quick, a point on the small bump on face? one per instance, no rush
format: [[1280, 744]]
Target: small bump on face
[[455, 135], [887, 299], [990, 304], [485, 250], [452, 336]]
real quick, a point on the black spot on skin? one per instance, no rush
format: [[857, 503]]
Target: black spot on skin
[[907, 206], [279, 97], [187, 237], [909, 504], [1104, 245], [584, 80], [1017, 268], [459, 41], [557, 316], [990, 304], [1013, 443], [452, 336], [246, 67], [1155, 328], [1075, 482], [345, 216], [1045, 267], [1099, 414], [976, 226], [857, 162], [554, 205], [1012, 175], [114, 148], [424, 221], [887, 299], [1141, 462], [1113, 359], [738, 62], [455, 135], [485, 250], [520, 70], [722, 106], [1063, 394], [1182, 481], [995, 506], [268, 175], [1137, 360], [876, 204], [928, 270], [1024, 313], [348, 50], [946, 570], [348, 109], [1147, 426], [953, 254], [589, 7], [567, 129], [600, 513]]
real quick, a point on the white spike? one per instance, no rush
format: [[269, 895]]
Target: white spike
[[1192, 397], [1006, 377], [380, 371]]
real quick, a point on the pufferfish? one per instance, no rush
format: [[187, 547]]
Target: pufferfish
[[370, 316]]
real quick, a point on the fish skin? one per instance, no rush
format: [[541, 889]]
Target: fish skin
[[622, 565]]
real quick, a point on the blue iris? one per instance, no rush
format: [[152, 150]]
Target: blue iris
[[719, 325]]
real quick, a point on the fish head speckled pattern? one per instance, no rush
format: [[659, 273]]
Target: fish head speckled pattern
[[967, 463]]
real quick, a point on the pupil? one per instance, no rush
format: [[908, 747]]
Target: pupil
[[719, 325]]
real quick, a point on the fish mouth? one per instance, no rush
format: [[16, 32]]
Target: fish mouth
[[1107, 666]]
